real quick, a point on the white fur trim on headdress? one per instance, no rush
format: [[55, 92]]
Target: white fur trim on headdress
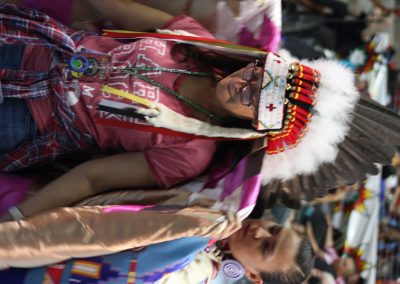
[[335, 100], [167, 118]]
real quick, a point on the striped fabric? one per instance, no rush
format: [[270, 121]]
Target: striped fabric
[[16, 124]]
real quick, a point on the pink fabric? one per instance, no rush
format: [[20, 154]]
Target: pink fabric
[[57, 9], [250, 191], [340, 280], [330, 255], [173, 159], [269, 38], [127, 208], [13, 189], [235, 180]]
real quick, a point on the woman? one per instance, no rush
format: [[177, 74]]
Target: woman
[[64, 115], [263, 250], [185, 236], [343, 267]]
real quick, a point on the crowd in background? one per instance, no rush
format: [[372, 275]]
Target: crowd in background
[[361, 35]]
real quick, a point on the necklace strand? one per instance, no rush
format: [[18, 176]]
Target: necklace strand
[[80, 64], [169, 70], [133, 72]]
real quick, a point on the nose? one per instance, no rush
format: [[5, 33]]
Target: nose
[[261, 232]]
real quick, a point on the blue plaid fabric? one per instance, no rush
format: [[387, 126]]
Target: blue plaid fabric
[[11, 56], [31, 27], [16, 124]]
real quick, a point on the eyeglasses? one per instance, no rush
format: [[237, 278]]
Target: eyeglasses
[[251, 76]]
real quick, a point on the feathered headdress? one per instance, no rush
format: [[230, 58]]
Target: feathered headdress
[[346, 136]]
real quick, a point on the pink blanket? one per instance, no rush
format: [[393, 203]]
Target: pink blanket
[[13, 189], [59, 10]]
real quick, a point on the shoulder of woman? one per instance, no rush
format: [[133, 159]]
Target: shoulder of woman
[[187, 24]]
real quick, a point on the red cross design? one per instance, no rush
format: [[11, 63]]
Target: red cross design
[[271, 107]]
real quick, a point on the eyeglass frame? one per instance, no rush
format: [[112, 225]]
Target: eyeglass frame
[[249, 80]]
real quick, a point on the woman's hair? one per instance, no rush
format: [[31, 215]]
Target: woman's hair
[[304, 264], [221, 64]]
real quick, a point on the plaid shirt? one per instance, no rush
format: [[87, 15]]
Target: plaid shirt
[[29, 27]]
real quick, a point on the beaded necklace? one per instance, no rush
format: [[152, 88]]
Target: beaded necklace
[[80, 64], [134, 72]]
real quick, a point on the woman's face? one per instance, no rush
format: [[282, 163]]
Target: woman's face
[[344, 266], [238, 93], [264, 246]]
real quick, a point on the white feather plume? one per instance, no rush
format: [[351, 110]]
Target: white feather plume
[[167, 118]]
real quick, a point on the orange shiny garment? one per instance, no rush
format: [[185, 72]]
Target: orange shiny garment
[[87, 231]]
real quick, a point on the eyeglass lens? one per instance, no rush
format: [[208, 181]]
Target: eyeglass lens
[[250, 75]]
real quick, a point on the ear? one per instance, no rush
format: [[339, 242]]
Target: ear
[[254, 277]]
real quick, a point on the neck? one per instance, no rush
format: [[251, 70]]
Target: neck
[[201, 91], [224, 245]]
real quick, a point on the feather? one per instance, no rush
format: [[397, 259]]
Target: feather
[[296, 187], [328, 126], [309, 187], [376, 130], [359, 159], [319, 181], [371, 147], [355, 169], [286, 197], [384, 111], [346, 137], [343, 173], [328, 174], [377, 117]]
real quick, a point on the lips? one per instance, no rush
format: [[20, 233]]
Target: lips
[[269, 246]]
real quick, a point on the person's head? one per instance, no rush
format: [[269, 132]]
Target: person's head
[[238, 93], [271, 253], [345, 266], [232, 73]]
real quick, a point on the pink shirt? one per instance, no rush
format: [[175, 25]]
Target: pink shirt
[[330, 255], [172, 159]]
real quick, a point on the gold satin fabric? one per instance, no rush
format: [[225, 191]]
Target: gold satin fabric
[[91, 230]]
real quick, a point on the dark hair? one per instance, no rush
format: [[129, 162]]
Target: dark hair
[[314, 280], [304, 262], [221, 64]]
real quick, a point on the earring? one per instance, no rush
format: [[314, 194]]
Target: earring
[[232, 269]]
